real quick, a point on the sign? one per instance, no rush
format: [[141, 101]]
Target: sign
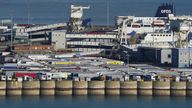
[[167, 11]]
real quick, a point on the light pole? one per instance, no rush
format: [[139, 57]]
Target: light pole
[[128, 61], [188, 44], [108, 13], [11, 45], [28, 21]]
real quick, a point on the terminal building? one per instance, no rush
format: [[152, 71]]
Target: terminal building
[[58, 39], [169, 57], [182, 57]]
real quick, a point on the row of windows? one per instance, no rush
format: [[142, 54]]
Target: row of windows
[[150, 18], [184, 61], [185, 53], [58, 34], [161, 35]]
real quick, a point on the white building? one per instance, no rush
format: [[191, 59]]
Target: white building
[[58, 39], [159, 37]]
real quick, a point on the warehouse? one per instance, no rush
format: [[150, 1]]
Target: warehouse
[[182, 57]]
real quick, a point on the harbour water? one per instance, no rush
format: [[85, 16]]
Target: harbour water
[[96, 102], [55, 11]]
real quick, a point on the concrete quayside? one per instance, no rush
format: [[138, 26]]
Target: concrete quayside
[[68, 87]]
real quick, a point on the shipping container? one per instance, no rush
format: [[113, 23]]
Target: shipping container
[[33, 47], [113, 62], [8, 67], [22, 74], [62, 75], [63, 63]]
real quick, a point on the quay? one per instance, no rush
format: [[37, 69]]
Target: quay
[[69, 87]]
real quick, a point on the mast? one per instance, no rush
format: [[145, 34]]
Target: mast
[[153, 34], [189, 47], [154, 42], [28, 22], [108, 13], [11, 45]]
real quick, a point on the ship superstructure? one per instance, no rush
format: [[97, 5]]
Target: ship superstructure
[[128, 24]]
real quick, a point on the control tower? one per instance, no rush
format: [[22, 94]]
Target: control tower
[[75, 22]]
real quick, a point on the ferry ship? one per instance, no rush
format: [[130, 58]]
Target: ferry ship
[[159, 28], [127, 24]]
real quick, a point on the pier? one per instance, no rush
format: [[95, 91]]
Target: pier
[[68, 87]]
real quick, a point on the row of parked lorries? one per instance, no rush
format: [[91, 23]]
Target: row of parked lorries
[[21, 76], [28, 75], [156, 77]]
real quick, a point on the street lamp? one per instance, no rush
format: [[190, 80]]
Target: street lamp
[[108, 13], [188, 44], [128, 61]]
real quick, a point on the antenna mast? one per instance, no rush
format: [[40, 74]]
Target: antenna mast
[[107, 13], [11, 45]]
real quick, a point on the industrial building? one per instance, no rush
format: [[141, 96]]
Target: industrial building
[[169, 57], [182, 57], [158, 56], [58, 39]]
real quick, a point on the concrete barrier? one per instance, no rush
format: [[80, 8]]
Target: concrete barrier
[[63, 87], [112, 87], [14, 88], [178, 89], [31, 88], [128, 87], [178, 86], [47, 87], [189, 88], [145, 88], [96, 88], [2, 88], [178, 93], [80, 87], [161, 88], [66, 87], [161, 92]]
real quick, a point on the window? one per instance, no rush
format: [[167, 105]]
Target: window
[[169, 55]]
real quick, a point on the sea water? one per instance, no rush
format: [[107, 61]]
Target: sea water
[[95, 102]]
